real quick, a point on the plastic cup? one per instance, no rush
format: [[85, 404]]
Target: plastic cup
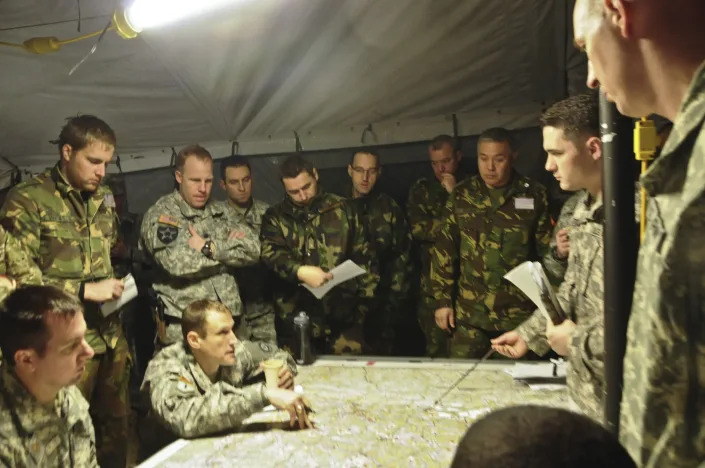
[[271, 372]]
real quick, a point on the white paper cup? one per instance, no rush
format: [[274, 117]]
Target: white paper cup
[[271, 372]]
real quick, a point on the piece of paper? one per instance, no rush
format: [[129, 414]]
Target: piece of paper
[[129, 293], [530, 278], [555, 369], [342, 273]]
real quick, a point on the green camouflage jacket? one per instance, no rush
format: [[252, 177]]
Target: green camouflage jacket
[[186, 401], [663, 400], [16, 264], [482, 243], [33, 435], [581, 298], [556, 267]]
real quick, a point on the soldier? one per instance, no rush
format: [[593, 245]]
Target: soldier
[[390, 240], [649, 57], [304, 236], [492, 223], [241, 207], [424, 208], [65, 220], [188, 237], [44, 419], [571, 138], [198, 386], [16, 268], [555, 262]]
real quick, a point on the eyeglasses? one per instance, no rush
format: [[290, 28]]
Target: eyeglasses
[[361, 170]]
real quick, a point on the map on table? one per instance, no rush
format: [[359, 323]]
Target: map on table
[[368, 415]]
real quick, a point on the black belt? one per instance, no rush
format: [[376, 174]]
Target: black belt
[[171, 320]]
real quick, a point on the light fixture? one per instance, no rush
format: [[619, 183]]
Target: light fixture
[[144, 14]]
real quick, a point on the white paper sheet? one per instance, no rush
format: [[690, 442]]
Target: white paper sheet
[[129, 293], [528, 277], [556, 369], [342, 273]]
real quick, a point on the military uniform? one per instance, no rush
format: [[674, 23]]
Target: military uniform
[[68, 235], [34, 435], [581, 298], [556, 267], [189, 404], [15, 263], [324, 233], [663, 400], [186, 275], [484, 235], [424, 209]]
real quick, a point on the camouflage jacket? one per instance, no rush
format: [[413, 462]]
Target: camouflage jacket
[[581, 298], [16, 264], [556, 267], [663, 401], [191, 405], [482, 243], [186, 275], [34, 435], [69, 238]]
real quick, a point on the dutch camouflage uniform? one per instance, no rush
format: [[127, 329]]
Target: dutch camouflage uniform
[[189, 404], [581, 298], [424, 209], [663, 403], [324, 233], [390, 240], [556, 267], [15, 263], [33, 435], [252, 281], [483, 240], [69, 235], [185, 275]]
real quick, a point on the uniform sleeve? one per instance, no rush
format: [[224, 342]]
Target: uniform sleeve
[[276, 254], [18, 264], [555, 267], [533, 331], [238, 252], [443, 257], [252, 353], [20, 217], [424, 225], [587, 353], [543, 226]]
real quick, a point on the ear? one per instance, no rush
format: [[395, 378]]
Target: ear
[[379, 171], [193, 340], [66, 153], [178, 176], [315, 174], [350, 170], [222, 184], [25, 359], [594, 147], [620, 13], [458, 155]]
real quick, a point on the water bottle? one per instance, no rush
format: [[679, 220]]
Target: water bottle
[[302, 327]]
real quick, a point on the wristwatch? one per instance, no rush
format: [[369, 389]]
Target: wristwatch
[[207, 249]]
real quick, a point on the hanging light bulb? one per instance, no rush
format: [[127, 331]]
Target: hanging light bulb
[[143, 14]]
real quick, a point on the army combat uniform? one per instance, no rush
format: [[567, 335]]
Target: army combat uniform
[[485, 233], [324, 233], [581, 298], [186, 275], [68, 235], [556, 267], [663, 400], [190, 405]]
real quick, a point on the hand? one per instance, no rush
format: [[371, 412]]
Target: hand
[[294, 403], [196, 242], [510, 344], [286, 378], [7, 283], [448, 182], [559, 336], [108, 289], [562, 243], [236, 235], [444, 318], [313, 276]]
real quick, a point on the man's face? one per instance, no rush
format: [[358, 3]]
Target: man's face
[[363, 172], [571, 165], [195, 181], [85, 168], [444, 160], [494, 162], [238, 184], [302, 188], [218, 344]]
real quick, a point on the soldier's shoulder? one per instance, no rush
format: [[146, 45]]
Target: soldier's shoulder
[[532, 186], [260, 205], [172, 359], [166, 204], [420, 185], [78, 404], [34, 186]]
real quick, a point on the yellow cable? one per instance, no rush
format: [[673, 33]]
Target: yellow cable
[[85, 36], [43, 45], [10, 44]]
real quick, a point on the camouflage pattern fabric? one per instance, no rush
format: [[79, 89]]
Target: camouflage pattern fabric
[[186, 275], [36, 436], [663, 400], [16, 264], [479, 242], [556, 267], [581, 298], [186, 401], [324, 233]]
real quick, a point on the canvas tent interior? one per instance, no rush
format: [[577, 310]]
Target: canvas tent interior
[[276, 75]]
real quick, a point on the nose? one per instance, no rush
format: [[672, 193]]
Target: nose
[[202, 187], [241, 187], [233, 338], [100, 170], [550, 164], [87, 350], [592, 81], [365, 177]]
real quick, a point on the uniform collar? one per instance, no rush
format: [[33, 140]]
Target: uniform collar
[[211, 208], [588, 208]]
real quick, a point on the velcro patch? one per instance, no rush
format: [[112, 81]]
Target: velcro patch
[[167, 234], [168, 220], [521, 203], [264, 347]]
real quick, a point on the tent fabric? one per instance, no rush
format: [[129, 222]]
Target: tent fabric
[[264, 72]]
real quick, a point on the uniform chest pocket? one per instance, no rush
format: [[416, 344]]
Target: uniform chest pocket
[[62, 244], [513, 231], [470, 225]]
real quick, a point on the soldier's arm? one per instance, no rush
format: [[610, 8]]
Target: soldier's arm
[[533, 331], [250, 354], [556, 267], [20, 217], [19, 266], [587, 347], [276, 254], [443, 257], [238, 251], [424, 225], [542, 236]]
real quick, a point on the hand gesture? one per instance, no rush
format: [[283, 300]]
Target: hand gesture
[[562, 243], [196, 242], [448, 181], [510, 344], [445, 318], [295, 404], [559, 336], [105, 290], [313, 276]]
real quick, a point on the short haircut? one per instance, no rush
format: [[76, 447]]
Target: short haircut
[[23, 318], [194, 317], [371, 151], [191, 150], [441, 140], [234, 161], [498, 135], [295, 165], [82, 130], [577, 116], [531, 436]]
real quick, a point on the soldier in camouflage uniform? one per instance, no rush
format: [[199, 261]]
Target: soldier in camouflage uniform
[[555, 262], [424, 208], [44, 419], [16, 268], [571, 138], [65, 220], [661, 70], [198, 386], [492, 223], [241, 207], [304, 236], [187, 235], [390, 239]]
